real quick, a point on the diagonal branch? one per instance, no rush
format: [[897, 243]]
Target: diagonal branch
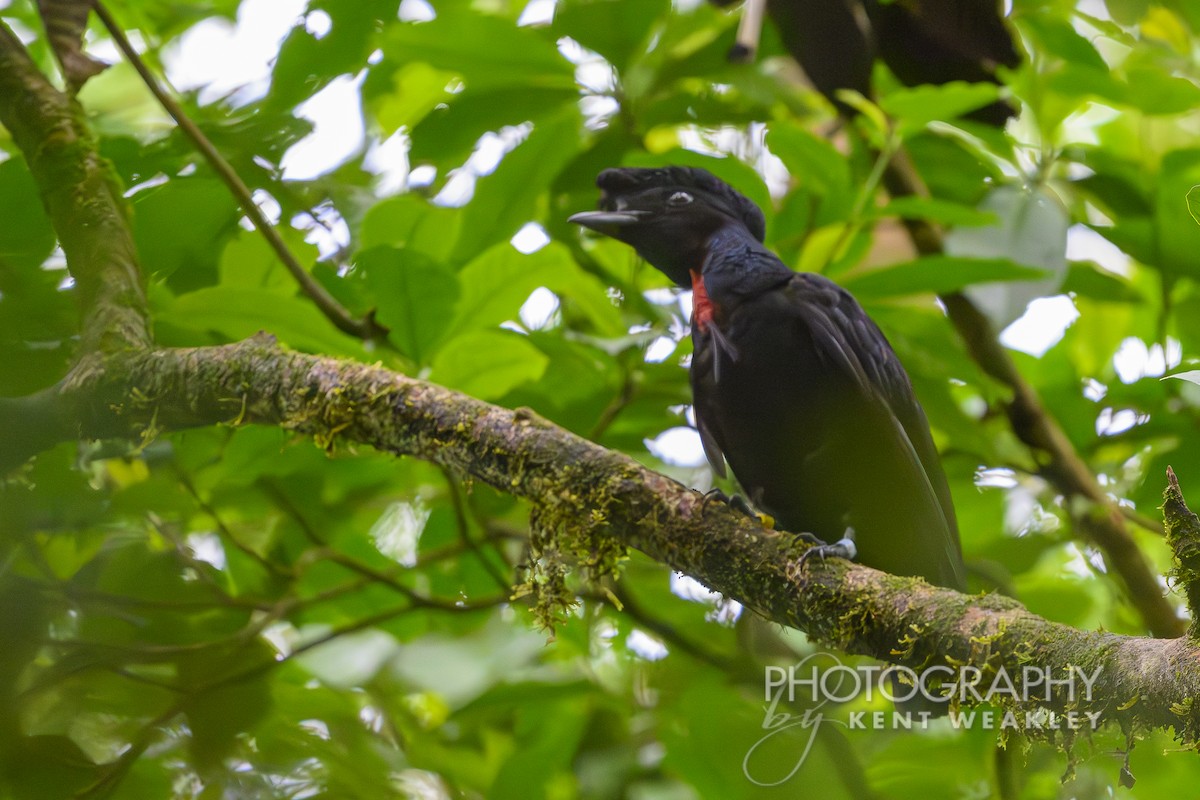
[[608, 496], [589, 493], [81, 196], [366, 328]]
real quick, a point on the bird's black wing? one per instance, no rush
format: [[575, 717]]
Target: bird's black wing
[[847, 340], [712, 450]]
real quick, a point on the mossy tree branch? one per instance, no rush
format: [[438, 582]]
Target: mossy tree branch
[[82, 197], [1183, 534], [597, 498], [600, 496]]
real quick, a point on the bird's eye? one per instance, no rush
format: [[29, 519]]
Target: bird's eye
[[679, 199]]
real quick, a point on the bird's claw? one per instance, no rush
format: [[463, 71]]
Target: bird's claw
[[739, 503], [711, 495], [842, 548]]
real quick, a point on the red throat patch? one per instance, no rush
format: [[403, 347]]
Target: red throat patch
[[702, 307]]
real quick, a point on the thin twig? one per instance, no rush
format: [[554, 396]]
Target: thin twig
[[267, 564], [742, 670], [458, 503], [366, 328], [382, 577], [626, 604], [618, 404]]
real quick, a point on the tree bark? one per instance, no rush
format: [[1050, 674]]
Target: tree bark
[[589, 501]]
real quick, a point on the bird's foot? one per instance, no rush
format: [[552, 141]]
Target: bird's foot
[[739, 503], [842, 548]]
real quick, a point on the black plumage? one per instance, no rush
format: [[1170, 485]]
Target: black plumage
[[793, 384], [836, 42]]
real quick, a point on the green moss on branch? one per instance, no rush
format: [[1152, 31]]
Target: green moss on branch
[[601, 496], [83, 198]]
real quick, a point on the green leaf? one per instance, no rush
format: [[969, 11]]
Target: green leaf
[[488, 364], [579, 373], [239, 313], [544, 756], [698, 105], [931, 209], [872, 121], [1155, 92], [812, 161], [915, 108], [485, 50], [417, 89], [1084, 83], [618, 31], [466, 666], [1031, 230], [1060, 39], [1089, 279], [938, 274], [248, 262], [307, 63], [1134, 235], [590, 296], [180, 225], [217, 716], [415, 298], [46, 767], [951, 168], [1127, 12], [823, 246], [447, 134], [498, 282], [1121, 186], [1191, 376], [1178, 234], [410, 222], [26, 237], [508, 198], [1058, 595], [351, 659], [1068, 73]]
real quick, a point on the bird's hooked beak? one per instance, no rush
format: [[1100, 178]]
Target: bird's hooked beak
[[608, 222]]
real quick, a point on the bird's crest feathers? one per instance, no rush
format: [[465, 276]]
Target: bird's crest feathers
[[624, 180]]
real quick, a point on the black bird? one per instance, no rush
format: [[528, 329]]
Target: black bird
[[836, 42], [792, 382]]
